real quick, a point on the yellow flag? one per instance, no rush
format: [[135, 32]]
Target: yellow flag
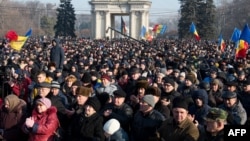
[[18, 44]]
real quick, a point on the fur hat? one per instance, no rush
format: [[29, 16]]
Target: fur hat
[[94, 102], [191, 77], [44, 101], [84, 91], [111, 126], [154, 91], [142, 84]]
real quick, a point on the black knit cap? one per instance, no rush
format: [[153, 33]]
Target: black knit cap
[[180, 102], [94, 102]]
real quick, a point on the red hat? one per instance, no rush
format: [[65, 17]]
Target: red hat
[[106, 77]]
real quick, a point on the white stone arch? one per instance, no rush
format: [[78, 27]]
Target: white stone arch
[[104, 11]]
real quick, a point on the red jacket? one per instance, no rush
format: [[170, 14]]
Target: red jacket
[[45, 125]]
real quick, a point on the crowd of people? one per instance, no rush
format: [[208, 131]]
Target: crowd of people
[[122, 90]]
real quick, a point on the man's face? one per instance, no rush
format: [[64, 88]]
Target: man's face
[[179, 114]]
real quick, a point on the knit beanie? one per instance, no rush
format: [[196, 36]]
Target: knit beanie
[[55, 84], [86, 78], [45, 101], [111, 126], [105, 76], [180, 102], [149, 99], [94, 102], [170, 81]]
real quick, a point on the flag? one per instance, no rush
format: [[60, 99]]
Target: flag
[[28, 33], [18, 44], [163, 30], [143, 31], [244, 41], [194, 31], [222, 43], [148, 36], [155, 28], [236, 35], [123, 26]]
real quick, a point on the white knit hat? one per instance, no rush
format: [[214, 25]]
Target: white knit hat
[[111, 126]]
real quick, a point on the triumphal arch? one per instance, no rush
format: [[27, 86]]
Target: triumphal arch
[[103, 14]]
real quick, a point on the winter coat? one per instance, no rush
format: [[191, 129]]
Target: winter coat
[[44, 127], [57, 55], [185, 131], [144, 127], [11, 121], [85, 128]]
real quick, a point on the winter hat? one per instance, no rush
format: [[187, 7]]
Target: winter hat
[[84, 91], [180, 102], [142, 84], [94, 102], [119, 93], [86, 78], [44, 85], [191, 77], [105, 76], [169, 80], [182, 74], [149, 99], [45, 101], [111, 126], [55, 84], [103, 98], [77, 83], [153, 90], [13, 101]]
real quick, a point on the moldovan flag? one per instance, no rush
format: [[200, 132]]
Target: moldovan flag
[[241, 50], [18, 44], [222, 44], [123, 27], [194, 31]]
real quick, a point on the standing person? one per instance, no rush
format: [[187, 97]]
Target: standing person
[[43, 122], [180, 127], [57, 55], [12, 116]]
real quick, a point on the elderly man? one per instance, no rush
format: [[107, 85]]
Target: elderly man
[[215, 120], [180, 127], [107, 86], [146, 120], [236, 112]]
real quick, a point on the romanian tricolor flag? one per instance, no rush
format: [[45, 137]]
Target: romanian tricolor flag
[[241, 50], [222, 44], [123, 27], [15, 41], [194, 31], [159, 28], [146, 35]]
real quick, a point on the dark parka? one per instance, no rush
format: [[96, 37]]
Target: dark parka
[[85, 128], [57, 55]]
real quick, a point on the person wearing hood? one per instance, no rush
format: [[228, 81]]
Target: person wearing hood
[[57, 54], [200, 108], [12, 116]]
